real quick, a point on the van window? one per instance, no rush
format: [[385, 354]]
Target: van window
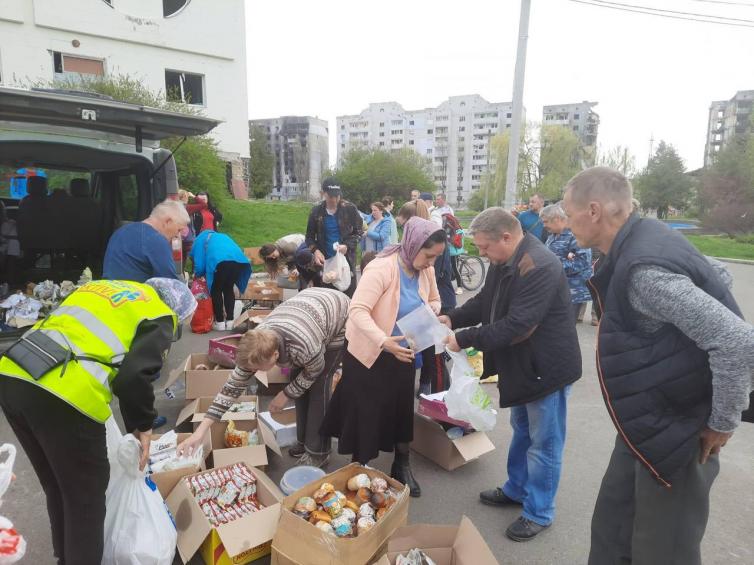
[[128, 193]]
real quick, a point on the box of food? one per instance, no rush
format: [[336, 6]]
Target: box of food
[[167, 476], [261, 290], [228, 514], [202, 377], [330, 522], [432, 441]]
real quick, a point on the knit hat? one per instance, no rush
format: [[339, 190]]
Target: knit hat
[[176, 295]]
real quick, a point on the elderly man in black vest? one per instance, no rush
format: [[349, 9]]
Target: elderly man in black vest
[[528, 338], [674, 362]]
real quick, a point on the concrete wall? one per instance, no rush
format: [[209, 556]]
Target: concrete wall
[[133, 37]]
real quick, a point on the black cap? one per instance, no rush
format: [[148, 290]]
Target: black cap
[[331, 187], [426, 196]]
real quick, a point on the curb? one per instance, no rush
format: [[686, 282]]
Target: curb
[[739, 261]]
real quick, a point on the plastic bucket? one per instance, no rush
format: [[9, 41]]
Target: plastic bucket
[[297, 477]]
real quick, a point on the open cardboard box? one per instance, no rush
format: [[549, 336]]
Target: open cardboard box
[[166, 480], [299, 542], [282, 426], [199, 382], [261, 291], [254, 317], [240, 541], [431, 441], [446, 545], [276, 375], [193, 413]]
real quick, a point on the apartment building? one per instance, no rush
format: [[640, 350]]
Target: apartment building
[[192, 50], [726, 119], [579, 117], [453, 137], [300, 147]]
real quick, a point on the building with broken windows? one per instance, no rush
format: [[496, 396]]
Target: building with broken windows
[[194, 51], [727, 118], [300, 147], [581, 119], [454, 137]]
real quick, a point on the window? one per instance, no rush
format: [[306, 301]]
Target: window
[[342, 145], [461, 140], [396, 141], [410, 141], [382, 134], [430, 131], [508, 115], [77, 65], [576, 116], [173, 7], [396, 131], [396, 122], [411, 122], [720, 114], [382, 144], [575, 128], [128, 197], [382, 109], [462, 119], [548, 117], [382, 124], [442, 118], [441, 130], [341, 127], [479, 157], [429, 151], [184, 87], [461, 128]]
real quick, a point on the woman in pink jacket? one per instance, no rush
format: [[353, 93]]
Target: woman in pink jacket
[[372, 409]]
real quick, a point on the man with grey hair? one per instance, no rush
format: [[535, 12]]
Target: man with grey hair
[[522, 320], [674, 364], [142, 250]]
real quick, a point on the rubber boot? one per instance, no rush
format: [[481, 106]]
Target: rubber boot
[[401, 470]]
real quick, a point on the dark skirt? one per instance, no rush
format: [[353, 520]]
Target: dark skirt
[[372, 409]]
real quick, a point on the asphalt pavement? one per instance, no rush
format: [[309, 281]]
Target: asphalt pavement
[[449, 495]]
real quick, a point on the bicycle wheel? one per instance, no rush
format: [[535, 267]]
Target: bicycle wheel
[[471, 269]]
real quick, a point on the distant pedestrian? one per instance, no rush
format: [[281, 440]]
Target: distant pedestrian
[[674, 363], [530, 220], [379, 229], [415, 195], [209, 217], [577, 262], [389, 204]]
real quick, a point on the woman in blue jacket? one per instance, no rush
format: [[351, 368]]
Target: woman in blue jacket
[[378, 234], [217, 257]]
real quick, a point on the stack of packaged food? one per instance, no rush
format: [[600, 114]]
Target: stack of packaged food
[[225, 494]]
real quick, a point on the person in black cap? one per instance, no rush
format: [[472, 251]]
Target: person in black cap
[[332, 221]]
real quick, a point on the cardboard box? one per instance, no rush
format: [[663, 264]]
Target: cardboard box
[[431, 441], [199, 382], [251, 318], [166, 480], [282, 426], [276, 375], [261, 291], [299, 542], [221, 455], [446, 545], [433, 406], [240, 541]]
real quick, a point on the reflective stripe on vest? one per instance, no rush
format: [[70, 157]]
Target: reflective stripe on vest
[[99, 321]]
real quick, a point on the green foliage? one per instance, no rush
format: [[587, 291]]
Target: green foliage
[[726, 198], [618, 158], [368, 175], [664, 183], [741, 247], [262, 163], [559, 160]]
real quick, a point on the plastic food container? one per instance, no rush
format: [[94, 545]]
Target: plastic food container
[[297, 477]]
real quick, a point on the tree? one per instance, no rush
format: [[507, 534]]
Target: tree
[[726, 196], [262, 165], [618, 158], [664, 183], [559, 159], [366, 175]]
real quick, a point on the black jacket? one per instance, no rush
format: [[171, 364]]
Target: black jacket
[[350, 224], [528, 334], [658, 386]]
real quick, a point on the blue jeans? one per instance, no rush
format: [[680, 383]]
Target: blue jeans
[[536, 454]]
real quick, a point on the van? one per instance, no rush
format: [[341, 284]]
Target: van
[[74, 167]]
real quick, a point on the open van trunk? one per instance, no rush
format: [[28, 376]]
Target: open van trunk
[[103, 168]]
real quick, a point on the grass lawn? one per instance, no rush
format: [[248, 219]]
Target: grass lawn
[[252, 223], [722, 246]]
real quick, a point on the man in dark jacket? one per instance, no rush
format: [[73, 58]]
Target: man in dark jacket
[[529, 339], [334, 220], [674, 364]]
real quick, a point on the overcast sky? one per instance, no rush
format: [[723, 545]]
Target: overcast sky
[[651, 76]]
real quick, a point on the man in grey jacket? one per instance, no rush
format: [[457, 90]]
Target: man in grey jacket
[[674, 364]]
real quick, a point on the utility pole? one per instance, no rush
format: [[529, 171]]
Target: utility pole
[[651, 148], [518, 105], [489, 174]]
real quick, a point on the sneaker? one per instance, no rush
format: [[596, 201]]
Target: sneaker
[[496, 497], [524, 529], [218, 326], [229, 325], [313, 460], [459, 291], [297, 450]]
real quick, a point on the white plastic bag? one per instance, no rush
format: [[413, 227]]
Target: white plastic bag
[[12, 544], [336, 270], [138, 528], [465, 399]]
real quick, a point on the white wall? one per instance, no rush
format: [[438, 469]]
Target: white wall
[[206, 37]]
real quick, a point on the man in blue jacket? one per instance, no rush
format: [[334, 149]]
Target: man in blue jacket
[[530, 220], [523, 322]]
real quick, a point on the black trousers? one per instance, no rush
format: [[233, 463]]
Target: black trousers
[[223, 297], [456, 272], [69, 454]]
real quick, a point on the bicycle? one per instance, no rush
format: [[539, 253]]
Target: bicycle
[[472, 271]]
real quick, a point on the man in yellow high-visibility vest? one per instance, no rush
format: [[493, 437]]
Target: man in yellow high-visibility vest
[[113, 337]]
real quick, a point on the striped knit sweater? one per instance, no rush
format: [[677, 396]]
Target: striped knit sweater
[[308, 325]]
